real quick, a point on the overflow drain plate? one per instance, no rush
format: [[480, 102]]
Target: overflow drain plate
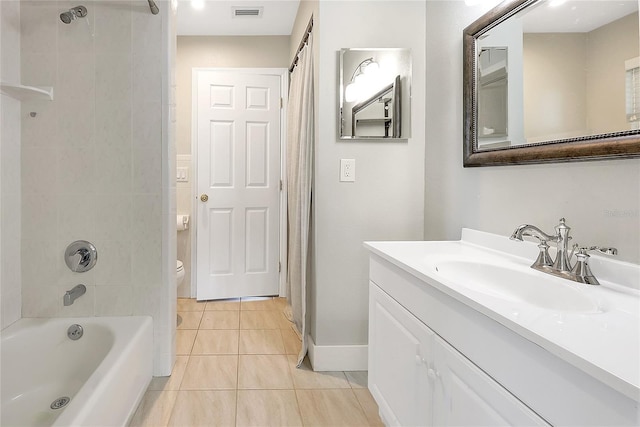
[[60, 402]]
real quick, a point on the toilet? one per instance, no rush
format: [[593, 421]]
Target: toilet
[[179, 273], [182, 224]]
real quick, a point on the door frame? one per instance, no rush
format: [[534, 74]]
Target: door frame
[[283, 73]]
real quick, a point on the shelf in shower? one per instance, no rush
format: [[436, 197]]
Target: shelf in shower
[[25, 93]]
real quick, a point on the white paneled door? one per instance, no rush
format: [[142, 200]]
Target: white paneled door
[[238, 182]]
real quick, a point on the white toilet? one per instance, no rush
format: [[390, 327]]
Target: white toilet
[[182, 224], [179, 273]]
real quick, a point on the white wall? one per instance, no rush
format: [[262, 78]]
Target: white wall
[[93, 163], [606, 94], [600, 199], [555, 86], [10, 289], [386, 201], [574, 81]]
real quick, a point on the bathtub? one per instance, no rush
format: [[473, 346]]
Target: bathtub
[[104, 373]]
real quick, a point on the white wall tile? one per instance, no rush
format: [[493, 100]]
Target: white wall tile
[[147, 78], [147, 217], [76, 217], [38, 32], [146, 302], [41, 159], [41, 130], [113, 214], [113, 125], [112, 26], [76, 120], [147, 125], [39, 69], [106, 70], [39, 262], [76, 171], [143, 24], [114, 263], [39, 216], [41, 300], [114, 301], [147, 170], [146, 270], [76, 79], [113, 169]]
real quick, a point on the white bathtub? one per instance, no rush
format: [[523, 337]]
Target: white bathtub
[[105, 373]]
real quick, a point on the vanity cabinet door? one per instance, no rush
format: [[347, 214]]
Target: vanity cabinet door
[[464, 395], [400, 353]]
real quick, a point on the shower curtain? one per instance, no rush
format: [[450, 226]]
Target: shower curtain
[[299, 184]]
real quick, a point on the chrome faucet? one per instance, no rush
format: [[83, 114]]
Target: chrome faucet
[[561, 267], [73, 294]]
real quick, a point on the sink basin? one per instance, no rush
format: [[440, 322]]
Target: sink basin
[[515, 283]]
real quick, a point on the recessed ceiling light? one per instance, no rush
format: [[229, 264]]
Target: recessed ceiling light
[[197, 4]]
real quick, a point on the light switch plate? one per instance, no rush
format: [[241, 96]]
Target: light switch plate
[[347, 170], [182, 174]]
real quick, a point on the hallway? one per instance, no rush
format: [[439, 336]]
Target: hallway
[[236, 366]]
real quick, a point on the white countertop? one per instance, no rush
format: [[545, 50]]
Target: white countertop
[[604, 343]]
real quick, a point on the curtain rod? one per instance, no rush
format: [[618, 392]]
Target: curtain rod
[[304, 40]]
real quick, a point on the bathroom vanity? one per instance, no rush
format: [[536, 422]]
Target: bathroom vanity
[[465, 333]]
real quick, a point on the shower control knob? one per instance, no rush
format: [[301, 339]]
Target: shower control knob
[[204, 197]]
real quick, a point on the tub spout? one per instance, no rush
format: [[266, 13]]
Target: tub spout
[[73, 294]]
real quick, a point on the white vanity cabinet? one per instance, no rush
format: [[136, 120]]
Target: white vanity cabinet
[[465, 396], [439, 358], [418, 379], [399, 361]]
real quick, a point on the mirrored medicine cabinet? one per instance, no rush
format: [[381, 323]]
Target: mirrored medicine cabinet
[[374, 94]]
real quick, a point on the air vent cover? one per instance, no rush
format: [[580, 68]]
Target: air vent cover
[[246, 12]]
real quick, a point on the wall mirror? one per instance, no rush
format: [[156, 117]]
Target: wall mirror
[[552, 81], [375, 94]]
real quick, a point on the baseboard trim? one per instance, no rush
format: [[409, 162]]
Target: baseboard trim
[[337, 357]]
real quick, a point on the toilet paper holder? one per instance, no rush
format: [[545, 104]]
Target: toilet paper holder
[[182, 222]]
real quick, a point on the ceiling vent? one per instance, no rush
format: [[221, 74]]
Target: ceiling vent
[[246, 12]]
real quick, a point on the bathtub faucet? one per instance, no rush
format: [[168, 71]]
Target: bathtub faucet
[[74, 294]]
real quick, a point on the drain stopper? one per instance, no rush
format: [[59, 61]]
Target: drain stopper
[[60, 402]]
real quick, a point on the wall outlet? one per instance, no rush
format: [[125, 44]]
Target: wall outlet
[[347, 170]]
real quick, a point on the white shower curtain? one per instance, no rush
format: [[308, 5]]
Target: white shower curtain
[[299, 182]]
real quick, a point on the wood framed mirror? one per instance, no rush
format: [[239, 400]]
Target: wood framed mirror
[[552, 81]]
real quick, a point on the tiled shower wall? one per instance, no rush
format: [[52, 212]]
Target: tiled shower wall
[[92, 161], [10, 165]]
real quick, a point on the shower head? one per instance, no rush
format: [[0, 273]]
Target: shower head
[[73, 13], [67, 17], [154, 7]]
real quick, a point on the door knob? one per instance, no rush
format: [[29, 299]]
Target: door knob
[[204, 197]]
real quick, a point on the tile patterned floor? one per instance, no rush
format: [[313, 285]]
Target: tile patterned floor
[[236, 366]]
